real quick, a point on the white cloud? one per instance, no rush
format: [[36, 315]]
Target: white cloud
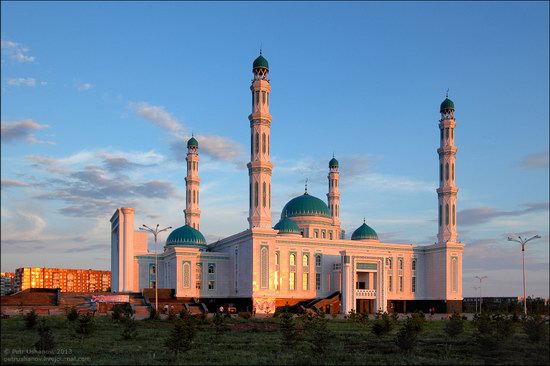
[[20, 130], [16, 51], [158, 116], [84, 86], [22, 81], [535, 161]]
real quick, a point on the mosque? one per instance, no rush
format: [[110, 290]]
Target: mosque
[[304, 258]]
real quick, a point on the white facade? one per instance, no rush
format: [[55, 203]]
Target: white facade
[[304, 259]]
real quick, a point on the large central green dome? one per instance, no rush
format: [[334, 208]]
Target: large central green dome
[[305, 205], [186, 236]]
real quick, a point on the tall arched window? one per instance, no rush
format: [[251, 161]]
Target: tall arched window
[[441, 172], [250, 196], [197, 197], [257, 142], [194, 198], [256, 194], [186, 275], [453, 171], [264, 268], [189, 196], [264, 143], [264, 98], [257, 97], [268, 144], [305, 260], [440, 216], [264, 194], [446, 214], [292, 259], [269, 197], [454, 274], [447, 171], [252, 143]]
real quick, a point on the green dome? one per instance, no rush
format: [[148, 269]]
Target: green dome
[[447, 104], [192, 142], [186, 236], [333, 162], [260, 63], [286, 225], [364, 232], [305, 205]]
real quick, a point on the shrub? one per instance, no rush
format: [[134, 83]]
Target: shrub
[[184, 313], [72, 314], [455, 325], [117, 313], [418, 320], [317, 332], [406, 336], [289, 333], [245, 315], [171, 315], [382, 324], [45, 341], [31, 318], [181, 337], [536, 328], [85, 324], [483, 323], [503, 326], [395, 317], [153, 314], [130, 327]]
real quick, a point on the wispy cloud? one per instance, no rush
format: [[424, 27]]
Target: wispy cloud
[[9, 183], [16, 51], [84, 86], [217, 147], [481, 215], [20, 130], [22, 81], [535, 161]]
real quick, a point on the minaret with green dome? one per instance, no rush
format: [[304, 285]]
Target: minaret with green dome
[[260, 166], [447, 191], [192, 185], [333, 194]]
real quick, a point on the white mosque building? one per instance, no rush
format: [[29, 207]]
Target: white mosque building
[[304, 258]]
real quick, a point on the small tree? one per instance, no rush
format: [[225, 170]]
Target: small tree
[[418, 320], [153, 314], [406, 336], [504, 326], [181, 337], [72, 314], [455, 325], [117, 313], [129, 330], [45, 341], [31, 318], [536, 328], [483, 323], [318, 333], [289, 333], [85, 324]]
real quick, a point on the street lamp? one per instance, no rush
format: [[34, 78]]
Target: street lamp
[[155, 233], [523, 241], [480, 296], [475, 289]]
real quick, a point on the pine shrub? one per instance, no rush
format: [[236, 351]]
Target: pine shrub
[[181, 337], [85, 324], [406, 336], [45, 341], [72, 314], [455, 325], [536, 328], [129, 330], [289, 333], [31, 318]]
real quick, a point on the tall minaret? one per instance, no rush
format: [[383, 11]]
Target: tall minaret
[[260, 166], [192, 183], [334, 191], [447, 162]]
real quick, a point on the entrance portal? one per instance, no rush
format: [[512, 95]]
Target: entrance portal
[[365, 306]]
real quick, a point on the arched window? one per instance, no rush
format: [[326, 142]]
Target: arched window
[[186, 275], [264, 194], [256, 194], [257, 142], [252, 143], [197, 197], [268, 145], [292, 259], [257, 96], [447, 171], [277, 255], [189, 196], [441, 172], [305, 260], [194, 198], [250, 196], [269, 197], [447, 133], [454, 274], [264, 271], [440, 216], [264, 143], [264, 98], [441, 134], [446, 214]]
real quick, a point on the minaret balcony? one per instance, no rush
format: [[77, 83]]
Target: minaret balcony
[[260, 117], [365, 294], [447, 150]]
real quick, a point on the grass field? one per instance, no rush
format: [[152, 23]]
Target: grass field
[[259, 342]]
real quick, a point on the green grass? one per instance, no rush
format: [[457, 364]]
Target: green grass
[[258, 342]]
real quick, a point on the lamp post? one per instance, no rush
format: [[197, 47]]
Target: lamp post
[[523, 241], [155, 233], [475, 288], [480, 296]]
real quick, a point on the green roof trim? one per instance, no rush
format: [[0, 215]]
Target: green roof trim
[[364, 232], [260, 63], [192, 142], [286, 225], [186, 236], [447, 104], [305, 205]]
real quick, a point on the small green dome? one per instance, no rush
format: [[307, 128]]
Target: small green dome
[[192, 142], [333, 163], [186, 236], [447, 104], [364, 232], [260, 63], [287, 226], [305, 205]]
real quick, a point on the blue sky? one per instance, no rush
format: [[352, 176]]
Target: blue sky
[[98, 99]]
